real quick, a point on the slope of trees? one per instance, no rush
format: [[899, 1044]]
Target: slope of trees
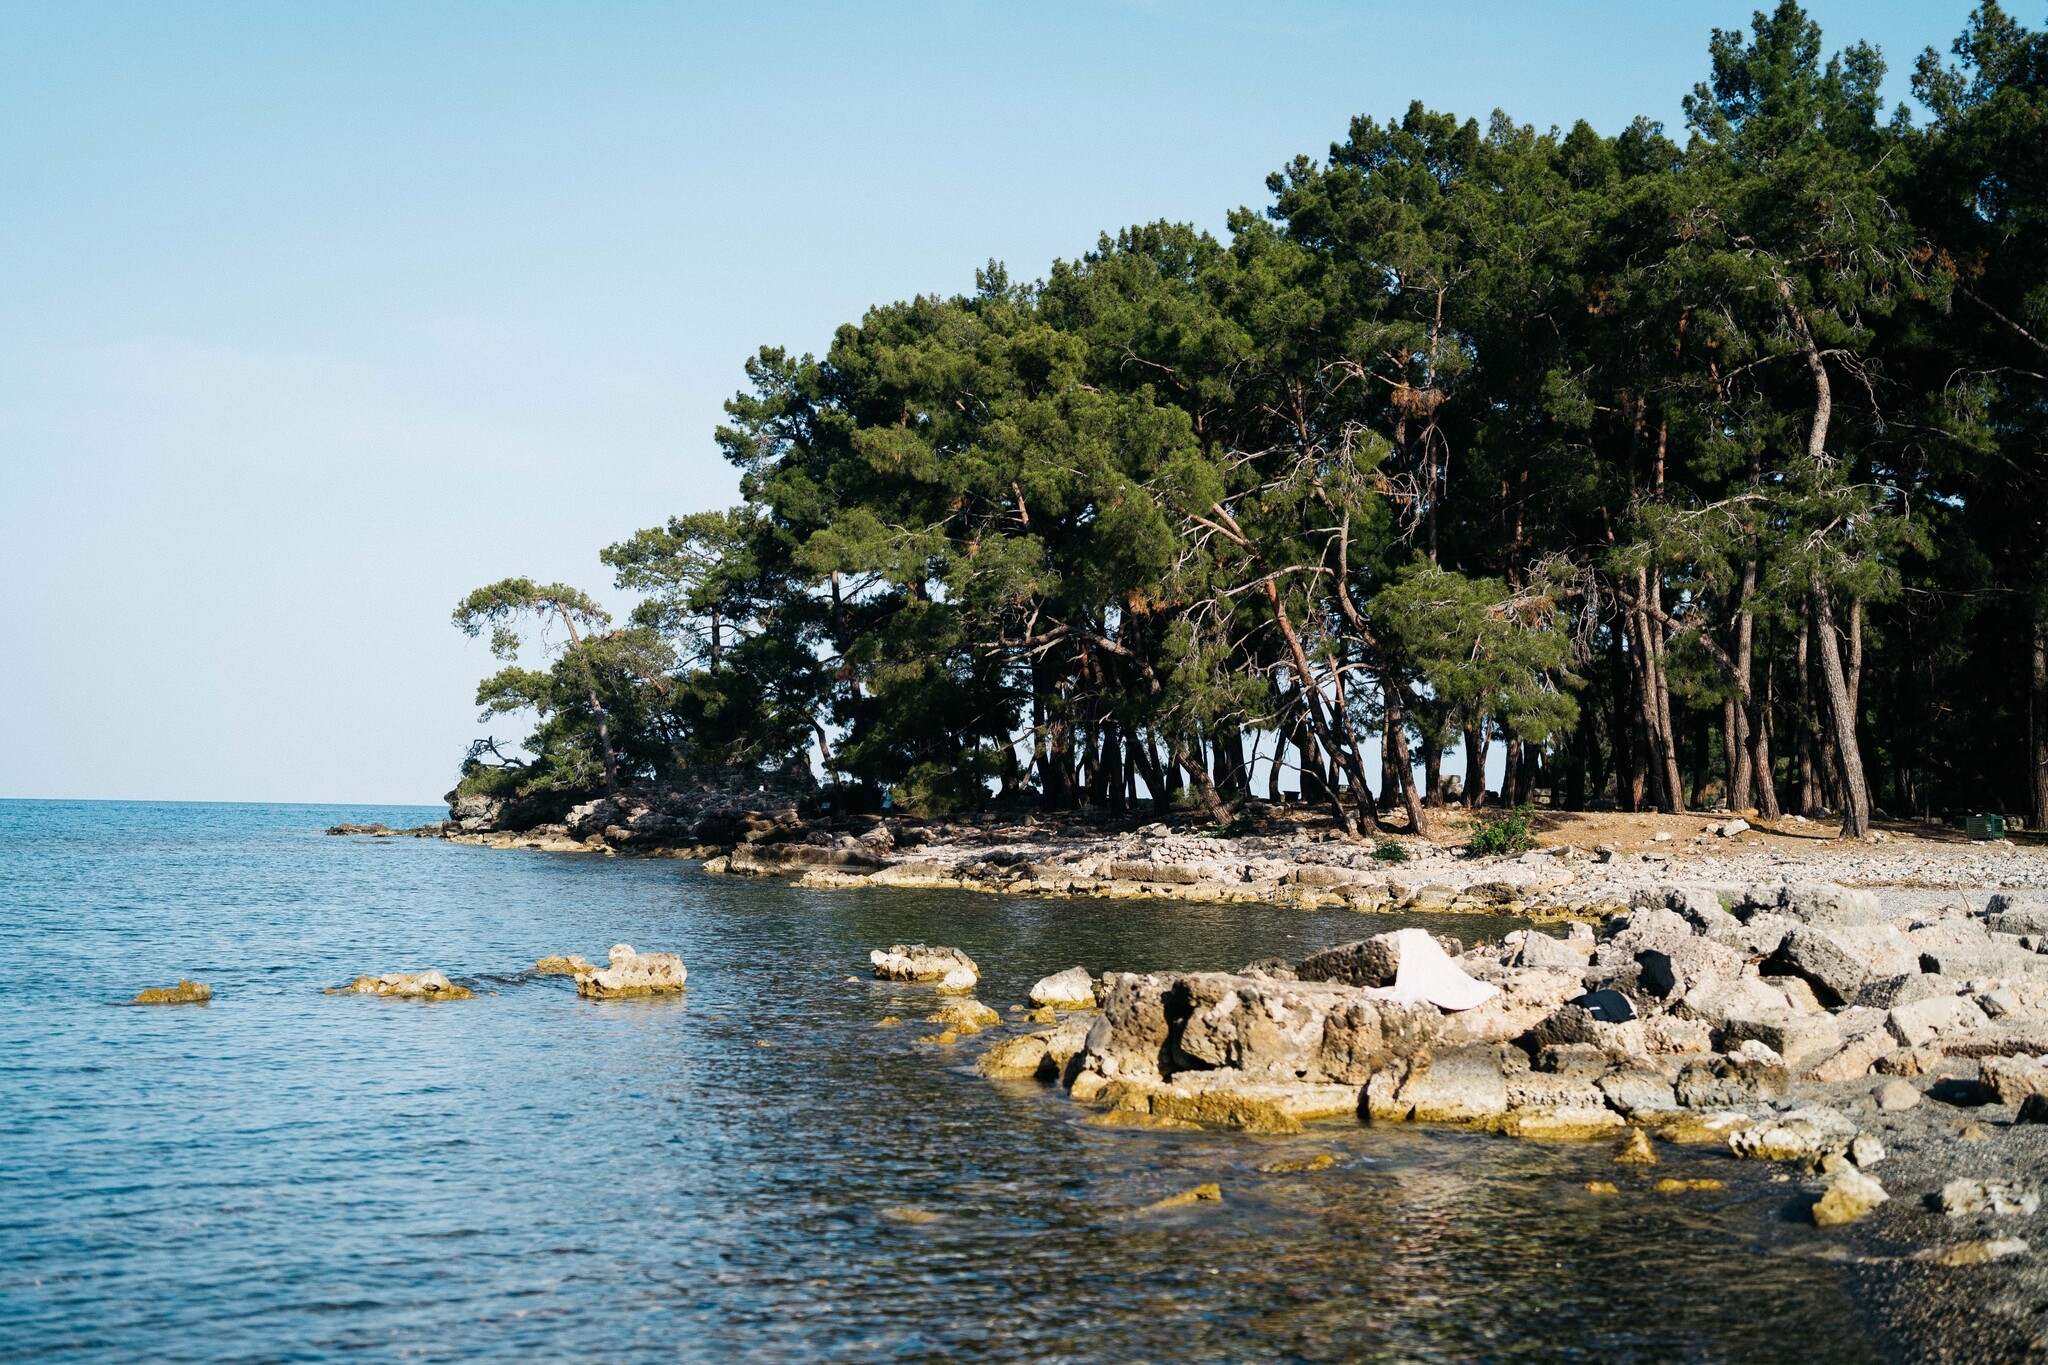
[[1673, 472]]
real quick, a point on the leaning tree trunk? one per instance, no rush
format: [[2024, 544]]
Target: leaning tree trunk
[[1396, 737], [1841, 715]]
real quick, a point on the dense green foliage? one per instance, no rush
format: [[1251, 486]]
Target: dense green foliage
[[1502, 832], [1680, 472]]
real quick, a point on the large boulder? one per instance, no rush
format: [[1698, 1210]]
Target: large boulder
[[1824, 962], [1129, 1037], [1938, 1017], [1362, 1036], [1801, 1039], [1828, 904], [1728, 1082], [2017, 912], [1456, 1085], [1265, 1031]]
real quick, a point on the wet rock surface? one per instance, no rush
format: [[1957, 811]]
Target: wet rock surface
[[428, 985], [629, 974], [1745, 1028], [184, 993]]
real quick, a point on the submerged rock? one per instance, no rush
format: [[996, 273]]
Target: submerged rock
[[634, 974], [1200, 1194], [951, 970], [184, 993], [428, 985], [555, 964]]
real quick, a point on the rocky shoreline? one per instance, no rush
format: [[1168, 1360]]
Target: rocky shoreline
[[1871, 1017], [1890, 1057]]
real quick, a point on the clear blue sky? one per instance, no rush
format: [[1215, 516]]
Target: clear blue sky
[[315, 315]]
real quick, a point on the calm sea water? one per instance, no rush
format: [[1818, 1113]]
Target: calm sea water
[[285, 1175]]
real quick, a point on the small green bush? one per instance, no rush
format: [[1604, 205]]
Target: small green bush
[[1502, 832], [1390, 851]]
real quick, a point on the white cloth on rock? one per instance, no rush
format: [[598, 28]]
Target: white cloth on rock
[[1426, 973]]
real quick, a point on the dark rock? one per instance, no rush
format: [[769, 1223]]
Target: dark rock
[[1368, 962]]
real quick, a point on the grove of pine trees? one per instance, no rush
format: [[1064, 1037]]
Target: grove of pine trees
[[1670, 471]]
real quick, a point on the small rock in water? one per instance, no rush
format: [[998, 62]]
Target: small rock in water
[[944, 1038], [1850, 1195], [964, 1016], [887, 1021], [1637, 1151], [184, 993], [1199, 1194], [1671, 1186], [1602, 1187], [1896, 1095], [556, 964], [428, 985], [951, 970], [1984, 1252], [634, 974], [1071, 989]]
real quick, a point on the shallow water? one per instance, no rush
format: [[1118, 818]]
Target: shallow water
[[287, 1175]]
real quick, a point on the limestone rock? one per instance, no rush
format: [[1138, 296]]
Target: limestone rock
[[1789, 1139], [1983, 1252], [557, 964], [1800, 1039], [949, 969], [1071, 990], [1963, 1196], [2012, 1079], [1823, 962], [630, 974], [964, 1016], [1456, 1085], [1724, 1082], [1940, 1016], [427, 985], [1637, 1151], [1896, 1096], [184, 993], [1850, 1195]]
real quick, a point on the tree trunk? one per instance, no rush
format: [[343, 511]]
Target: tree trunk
[[1809, 796], [1432, 770], [1404, 769], [2037, 722], [1841, 717], [1761, 764], [1476, 745]]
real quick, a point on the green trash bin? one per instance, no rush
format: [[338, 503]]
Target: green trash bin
[[1985, 827]]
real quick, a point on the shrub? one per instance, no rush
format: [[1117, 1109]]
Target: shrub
[[1390, 851], [1501, 832]]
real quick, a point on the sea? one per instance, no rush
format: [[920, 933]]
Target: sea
[[759, 1170]]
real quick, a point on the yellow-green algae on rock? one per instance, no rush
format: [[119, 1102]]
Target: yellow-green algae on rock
[[184, 993]]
